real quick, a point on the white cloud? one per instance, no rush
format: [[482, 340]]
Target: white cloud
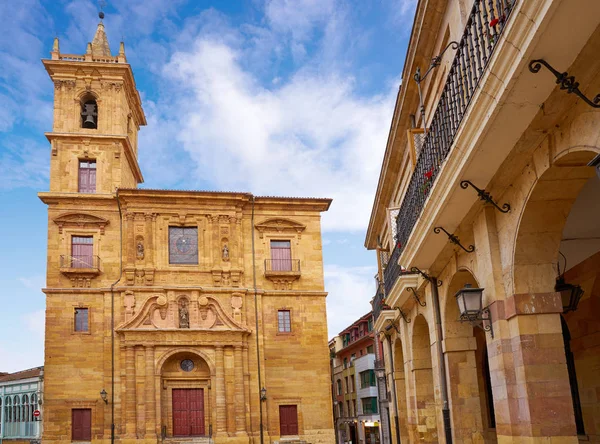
[[23, 163], [350, 291], [311, 135]]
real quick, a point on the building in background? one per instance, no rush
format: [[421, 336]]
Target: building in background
[[21, 406], [354, 384], [489, 193], [171, 315]]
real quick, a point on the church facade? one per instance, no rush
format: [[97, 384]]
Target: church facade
[[187, 316]]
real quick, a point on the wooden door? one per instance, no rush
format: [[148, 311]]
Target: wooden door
[[188, 412], [281, 255], [288, 420], [81, 425]]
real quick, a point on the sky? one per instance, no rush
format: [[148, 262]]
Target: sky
[[273, 97]]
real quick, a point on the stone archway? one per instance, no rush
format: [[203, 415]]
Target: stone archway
[[466, 356], [186, 399], [557, 227], [426, 424]]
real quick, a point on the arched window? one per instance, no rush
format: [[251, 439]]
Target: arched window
[[25, 409], [89, 112], [16, 409], [8, 411], [33, 406]]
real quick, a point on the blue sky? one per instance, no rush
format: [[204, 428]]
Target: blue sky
[[278, 97]]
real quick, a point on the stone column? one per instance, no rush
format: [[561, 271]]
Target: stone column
[[130, 425], [149, 247], [220, 389], [150, 396], [230, 391], [530, 381], [129, 238], [140, 427], [240, 411], [246, 384]]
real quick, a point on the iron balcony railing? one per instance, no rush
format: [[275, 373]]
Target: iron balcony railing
[[392, 270], [484, 27], [378, 303], [87, 262], [282, 265]]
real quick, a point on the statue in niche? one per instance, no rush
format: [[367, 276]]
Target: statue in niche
[[225, 253], [140, 250], [184, 316]]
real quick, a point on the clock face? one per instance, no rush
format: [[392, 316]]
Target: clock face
[[187, 365]]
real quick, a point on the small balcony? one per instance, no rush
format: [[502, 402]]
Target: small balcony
[[282, 272], [379, 303], [79, 264]]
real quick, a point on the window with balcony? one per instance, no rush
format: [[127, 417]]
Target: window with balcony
[[82, 252], [367, 379], [281, 255], [87, 176], [81, 320], [369, 405], [284, 321]]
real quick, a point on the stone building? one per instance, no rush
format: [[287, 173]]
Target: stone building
[[490, 179], [171, 315], [354, 385], [21, 406]]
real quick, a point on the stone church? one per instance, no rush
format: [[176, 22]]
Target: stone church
[[182, 316]]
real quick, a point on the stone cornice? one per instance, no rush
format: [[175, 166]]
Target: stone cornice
[[122, 139]]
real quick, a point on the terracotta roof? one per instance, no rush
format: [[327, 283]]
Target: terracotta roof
[[23, 374]]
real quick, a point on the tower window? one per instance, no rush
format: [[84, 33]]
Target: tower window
[[89, 113], [81, 319], [87, 176]]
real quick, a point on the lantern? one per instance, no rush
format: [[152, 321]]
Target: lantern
[[470, 306]]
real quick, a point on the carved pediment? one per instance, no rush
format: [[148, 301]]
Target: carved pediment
[[80, 220], [280, 225], [159, 313]]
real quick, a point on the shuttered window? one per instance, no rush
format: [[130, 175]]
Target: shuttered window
[[87, 176], [82, 250], [369, 405], [81, 319], [81, 425], [281, 255], [367, 379], [288, 420]]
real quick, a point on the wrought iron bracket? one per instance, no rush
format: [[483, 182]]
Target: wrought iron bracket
[[416, 296], [480, 320], [407, 320], [565, 81], [454, 239], [435, 62], [426, 276], [485, 196]]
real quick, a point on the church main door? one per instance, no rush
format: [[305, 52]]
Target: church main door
[[188, 412]]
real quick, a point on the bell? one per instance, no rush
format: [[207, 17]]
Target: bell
[[89, 113]]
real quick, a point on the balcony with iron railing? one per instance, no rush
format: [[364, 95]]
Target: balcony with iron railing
[[79, 264], [483, 29], [282, 266]]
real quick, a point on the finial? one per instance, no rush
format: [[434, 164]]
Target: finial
[[55, 49], [122, 48], [88, 50], [102, 4]]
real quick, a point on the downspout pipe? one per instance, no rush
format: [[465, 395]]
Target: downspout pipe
[[441, 360], [396, 422], [260, 400], [112, 325]]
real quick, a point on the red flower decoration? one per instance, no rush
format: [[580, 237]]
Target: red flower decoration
[[494, 22], [428, 174], [399, 245]]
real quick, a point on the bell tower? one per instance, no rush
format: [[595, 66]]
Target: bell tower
[[97, 116]]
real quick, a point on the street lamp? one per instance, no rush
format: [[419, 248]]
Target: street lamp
[[470, 306], [263, 394], [104, 396], [569, 294]]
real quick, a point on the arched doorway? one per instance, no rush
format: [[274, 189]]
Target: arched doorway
[[400, 383], [559, 233], [185, 396], [423, 376], [467, 362]]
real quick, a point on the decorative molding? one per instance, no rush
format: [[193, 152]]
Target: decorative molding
[[80, 220], [279, 225]]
